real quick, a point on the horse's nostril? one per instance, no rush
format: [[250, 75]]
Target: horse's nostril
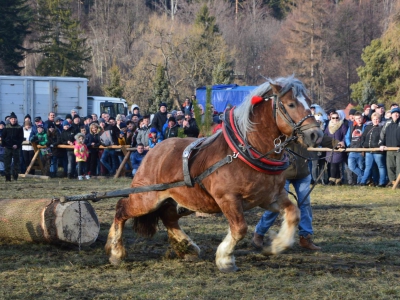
[[313, 136]]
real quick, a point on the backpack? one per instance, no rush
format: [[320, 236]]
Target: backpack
[[106, 139]]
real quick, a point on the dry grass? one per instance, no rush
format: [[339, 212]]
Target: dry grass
[[358, 229]]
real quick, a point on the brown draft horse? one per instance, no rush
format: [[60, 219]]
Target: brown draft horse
[[280, 113]]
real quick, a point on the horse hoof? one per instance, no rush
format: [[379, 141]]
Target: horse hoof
[[191, 258], [115, 261]]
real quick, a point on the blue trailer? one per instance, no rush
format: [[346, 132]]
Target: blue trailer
[[222, 95]]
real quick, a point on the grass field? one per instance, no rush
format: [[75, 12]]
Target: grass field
[[358, 229]]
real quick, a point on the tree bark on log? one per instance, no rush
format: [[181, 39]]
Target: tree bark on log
[[48, 221]]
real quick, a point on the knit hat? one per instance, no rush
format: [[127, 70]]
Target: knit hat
[[58, 118], [66, 123], [13, 115], [51, 125], [2, 123], [352, 111], [173, 112], [121, 132], [162, 104], [153, 130], [77, 116], [172, 119], [101, 120], [180, 117], [122, 125], [68, 116], [28, 116], [380, 105], [396, 109], [38, 119]]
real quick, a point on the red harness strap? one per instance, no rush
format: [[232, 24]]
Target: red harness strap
[[234, 148]]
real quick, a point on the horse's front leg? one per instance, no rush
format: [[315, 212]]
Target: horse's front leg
[[232, 208], [114, 247]]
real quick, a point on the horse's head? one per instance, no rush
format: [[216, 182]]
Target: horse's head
[[291, 110]]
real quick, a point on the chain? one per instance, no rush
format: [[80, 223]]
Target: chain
[[80, 227]]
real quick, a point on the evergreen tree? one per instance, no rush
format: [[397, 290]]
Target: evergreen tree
[[160, 91], [64, 50], [114, 89], [222, 72], [15, 17]]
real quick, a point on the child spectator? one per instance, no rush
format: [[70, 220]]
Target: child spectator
[[81, 153], [40, 137], [154, 139]]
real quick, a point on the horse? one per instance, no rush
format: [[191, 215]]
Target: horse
[[251, 145]]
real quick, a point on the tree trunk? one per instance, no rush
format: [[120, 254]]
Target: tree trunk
[[48, 221]]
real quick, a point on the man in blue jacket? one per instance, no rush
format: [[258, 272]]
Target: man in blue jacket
[[137, 157]]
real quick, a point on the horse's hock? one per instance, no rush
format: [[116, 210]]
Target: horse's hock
[[48, 221]]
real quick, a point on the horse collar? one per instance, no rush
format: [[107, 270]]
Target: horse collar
[[247, 153]]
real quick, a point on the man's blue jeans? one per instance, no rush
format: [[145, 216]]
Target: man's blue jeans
[[356, 164], [370, 159], [301, 186], [109, 154]]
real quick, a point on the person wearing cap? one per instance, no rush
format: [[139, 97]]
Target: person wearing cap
[[87, 121], [365, 113], [189, 126], [160, 118], [40, 137], [93, 146], [58, 124], [390, 137], [172, 128], [351, 115], [27, 149], [380, 109], [73, 113], [67, 137], [355, 160], [11, 139], [68, 118], [76, 124], [154, 138]]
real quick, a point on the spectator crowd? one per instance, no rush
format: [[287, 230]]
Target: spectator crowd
[[373, 127], [85, 134]]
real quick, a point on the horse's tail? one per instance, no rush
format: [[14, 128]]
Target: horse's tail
[[146, 225]]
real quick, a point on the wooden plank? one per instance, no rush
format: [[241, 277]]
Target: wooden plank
[[352, 149], [122, 165], [36, 158], [34, 176], [396, 182]]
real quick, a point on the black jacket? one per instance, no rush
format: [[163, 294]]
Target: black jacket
[[67, 135], [158, 121], [12, 135], [370, 136], [171, 132], [192, 130], [391, 136]]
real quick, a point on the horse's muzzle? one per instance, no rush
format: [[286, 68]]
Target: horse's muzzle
[[312, 137]]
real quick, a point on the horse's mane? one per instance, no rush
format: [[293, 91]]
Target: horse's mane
[[243, 111]]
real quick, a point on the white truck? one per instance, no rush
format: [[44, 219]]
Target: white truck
[[37, 96]]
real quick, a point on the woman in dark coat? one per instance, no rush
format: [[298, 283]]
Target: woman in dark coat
[[336, 129], [370, 139], [53, 140]]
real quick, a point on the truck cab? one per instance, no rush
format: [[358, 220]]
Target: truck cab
[[112, 106]]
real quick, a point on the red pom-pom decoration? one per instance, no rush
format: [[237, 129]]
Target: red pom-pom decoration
[[256, 99]]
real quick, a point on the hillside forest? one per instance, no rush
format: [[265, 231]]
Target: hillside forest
[[345, 51]]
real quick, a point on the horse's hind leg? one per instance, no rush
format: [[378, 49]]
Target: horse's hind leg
[[182, 244], [114, 246], [285, 238], [233, 211]]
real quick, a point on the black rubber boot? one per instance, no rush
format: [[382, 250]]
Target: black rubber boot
[[8, 177], [15, 176]]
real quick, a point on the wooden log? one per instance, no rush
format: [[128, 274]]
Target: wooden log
[[48, 221], [33, 176], [352, 149]]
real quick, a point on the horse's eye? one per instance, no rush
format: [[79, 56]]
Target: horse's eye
[[291, 105]]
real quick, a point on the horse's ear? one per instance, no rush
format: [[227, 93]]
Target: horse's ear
[[275, 88]]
